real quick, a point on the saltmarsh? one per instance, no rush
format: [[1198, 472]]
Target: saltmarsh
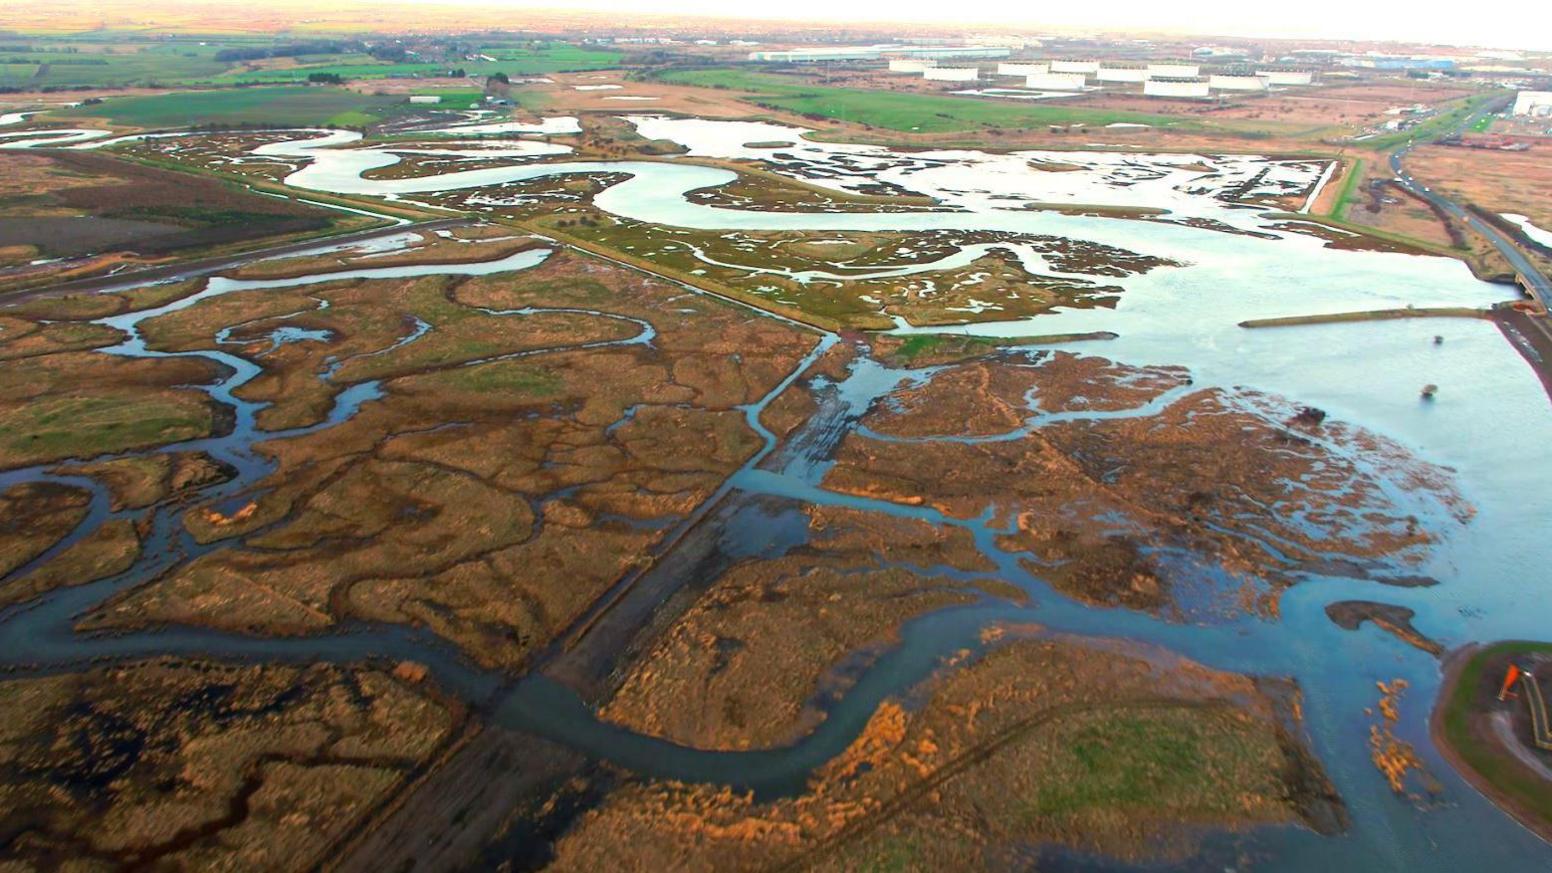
[[867, 279]]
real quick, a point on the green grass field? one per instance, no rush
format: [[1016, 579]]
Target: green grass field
[[1444, 123], [925, 113], [278, 106], [127, 60], [91, 66], [553, 58], [1344, 197], [1493, 765]]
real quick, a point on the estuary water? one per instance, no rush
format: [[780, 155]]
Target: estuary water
[[1489, 424]]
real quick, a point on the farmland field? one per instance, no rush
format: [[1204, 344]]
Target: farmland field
[[68, 65], [553, 58], [513, 62], [899, 111], [287, 105]]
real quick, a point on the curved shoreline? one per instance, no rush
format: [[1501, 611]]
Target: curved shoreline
[[1453, 668], [544, 720]]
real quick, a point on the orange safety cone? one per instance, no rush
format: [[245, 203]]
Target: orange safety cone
[[1511, 676]]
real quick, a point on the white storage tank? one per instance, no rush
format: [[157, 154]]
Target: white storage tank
[[951, 74], [1287, 77], [1189, 88], [1533, 103], [1085, 68], [1056, 82], [1173, 71], [425, 98], [1023, 69], [1122, 74], [1226, 82]]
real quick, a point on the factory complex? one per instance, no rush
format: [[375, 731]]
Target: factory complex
[[1173, 79], [891, 52]]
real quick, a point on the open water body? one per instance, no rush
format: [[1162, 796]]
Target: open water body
[[1490, 424]]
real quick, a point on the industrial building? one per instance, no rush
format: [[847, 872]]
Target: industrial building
[[1056, 82], [1382, 61], [1006, 69], [949, 52], [1018, 43], [910, 65], [1278, 76], [878, 52], [1121, 73], [1537, 104], [425, 98], [1236, 82], [1173, 71], [809, 56], [951, 74], [1194, 87], [1083, 68], [1218, 51]]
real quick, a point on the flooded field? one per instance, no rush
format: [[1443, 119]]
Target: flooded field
[[1054, 538]]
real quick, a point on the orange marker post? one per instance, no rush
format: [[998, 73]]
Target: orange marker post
[[1511, 676]]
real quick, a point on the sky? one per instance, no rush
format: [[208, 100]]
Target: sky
[[1519, 24]]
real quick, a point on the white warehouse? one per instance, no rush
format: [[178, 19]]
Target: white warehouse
[[1224, 82], [1536, 103], [1287, 77], [1086, 68], [822, 54], [1056, 82], [1173, 71], [910, 65], [952, 52], [816, 55], [1023, 69], [951, 74], [1109, 73], [1191, 88]]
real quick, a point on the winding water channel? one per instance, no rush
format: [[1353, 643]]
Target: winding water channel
[[1486, 425]]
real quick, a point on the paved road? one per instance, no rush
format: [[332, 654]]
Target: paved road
[[206, 266], [1541, 286], [1537, 282]]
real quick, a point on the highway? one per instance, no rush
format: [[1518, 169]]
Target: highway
[[1530, 334], [1539, 285]]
